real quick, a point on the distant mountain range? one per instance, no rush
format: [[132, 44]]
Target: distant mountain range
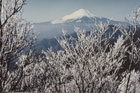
[[81, 18]]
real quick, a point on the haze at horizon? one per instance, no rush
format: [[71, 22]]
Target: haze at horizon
[[46, 10]]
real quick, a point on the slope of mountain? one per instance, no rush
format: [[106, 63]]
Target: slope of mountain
[[45, 44], [76, 15], [81, 18]]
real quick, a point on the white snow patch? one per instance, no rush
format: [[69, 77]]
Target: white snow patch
[[76, 15], [78, 21]]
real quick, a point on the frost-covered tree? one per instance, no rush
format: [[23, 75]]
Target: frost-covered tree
[[16, 39], [91, 63], [133, 53], [84, 66]]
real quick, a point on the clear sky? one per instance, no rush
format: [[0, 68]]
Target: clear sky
[[46, 10]]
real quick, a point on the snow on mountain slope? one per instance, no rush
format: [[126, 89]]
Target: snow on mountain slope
[[76, 15], [81, 18]]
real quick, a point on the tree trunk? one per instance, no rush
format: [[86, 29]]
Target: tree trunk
[[1, 89]]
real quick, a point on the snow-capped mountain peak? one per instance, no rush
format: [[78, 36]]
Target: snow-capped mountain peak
[[76, 15]]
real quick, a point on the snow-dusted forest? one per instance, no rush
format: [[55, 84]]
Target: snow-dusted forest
[[98, 61]]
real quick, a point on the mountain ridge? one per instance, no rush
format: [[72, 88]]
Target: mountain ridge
[[81, 18]]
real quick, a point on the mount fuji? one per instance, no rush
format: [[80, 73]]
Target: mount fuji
[[74, 16], [81, 18]]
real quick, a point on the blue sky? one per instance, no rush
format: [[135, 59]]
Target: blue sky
[[46, 10]]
